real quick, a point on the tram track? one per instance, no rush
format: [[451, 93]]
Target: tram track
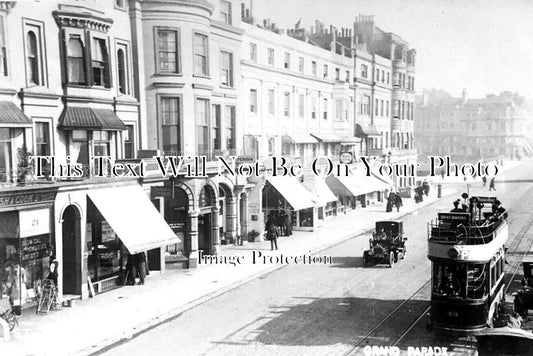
[[468, 348], [374, 332]]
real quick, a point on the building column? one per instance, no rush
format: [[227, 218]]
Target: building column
[[193, 238], [231, 217], [215, 232]]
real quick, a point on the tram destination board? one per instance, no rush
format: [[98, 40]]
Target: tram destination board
[[460, 217]]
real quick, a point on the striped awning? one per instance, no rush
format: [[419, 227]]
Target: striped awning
[[86, 118], [12, 116]]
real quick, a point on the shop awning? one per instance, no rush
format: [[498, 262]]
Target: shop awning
[[362, 131], [323, 193], [299, 138], [86, 118], [356, 183], [133, 217], [12, 116], [327, 137], [349, 140], [295, 193]]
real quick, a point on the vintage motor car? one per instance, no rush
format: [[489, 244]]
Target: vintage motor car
[[523, 298], [387, 244]]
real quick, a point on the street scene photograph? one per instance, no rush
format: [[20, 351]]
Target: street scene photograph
[[266, 177]]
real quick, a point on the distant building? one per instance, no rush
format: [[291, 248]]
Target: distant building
[[489, 128]]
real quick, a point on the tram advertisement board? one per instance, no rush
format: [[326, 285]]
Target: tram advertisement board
[[456, 217]]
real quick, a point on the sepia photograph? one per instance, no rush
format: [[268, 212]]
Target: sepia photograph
[[246, 177]]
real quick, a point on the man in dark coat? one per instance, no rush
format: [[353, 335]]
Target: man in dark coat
[[491, 184], [272, 234], [140, 259], [288, 225]]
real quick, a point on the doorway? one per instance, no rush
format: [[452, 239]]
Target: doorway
[[204, 233], [71, 231]]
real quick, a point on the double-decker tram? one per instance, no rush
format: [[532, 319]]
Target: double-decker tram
[[467, 251]]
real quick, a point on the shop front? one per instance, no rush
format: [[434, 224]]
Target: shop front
[[26, 244], [121, 221], [285, 196]]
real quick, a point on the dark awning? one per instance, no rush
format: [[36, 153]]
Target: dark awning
[[370, 130], [12, 116], [299, 138], [85, 118], [328, 137]]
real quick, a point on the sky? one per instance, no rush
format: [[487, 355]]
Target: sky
[[483, 46]]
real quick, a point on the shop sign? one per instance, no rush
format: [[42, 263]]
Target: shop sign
[[27, 198], [35, 247], [161, 192], [253, 208], [346, 157], [34, 222]]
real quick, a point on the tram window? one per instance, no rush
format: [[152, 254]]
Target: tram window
[[449, 280], [476, 281]]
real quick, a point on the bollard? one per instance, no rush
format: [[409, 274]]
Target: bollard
[[439, 191]]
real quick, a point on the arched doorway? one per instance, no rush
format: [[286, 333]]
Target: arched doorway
[[71, 232], [205, 219]]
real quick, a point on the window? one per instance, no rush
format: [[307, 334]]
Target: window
[[225, 11], [287, 61], [202, 126], [100, 62], [271, 98], [122, 69], [287, 104], [377, 75], [313, 68], [388, 78], [396, 108], [347, 76], [34, 59], [382, 107], [216, 127], [200, 55], [337, 74], [129, 142], [253, 101], [325, 109], [167, 51], [75, 61], [301, 64], [338, 110], [387, 108], [42, 139], [170, 125], [226, 71], [271, 56], [313, 107], [3, 48], [364, 71], [271, 146], [365, 106], [253, 52], [301, 99], [376, 107], [120, 4], [325, 70], [230, 127]]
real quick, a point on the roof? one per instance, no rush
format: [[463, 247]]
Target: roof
[[83, 118], [11, 115]]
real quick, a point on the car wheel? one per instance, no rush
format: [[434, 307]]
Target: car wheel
[[391, 260]]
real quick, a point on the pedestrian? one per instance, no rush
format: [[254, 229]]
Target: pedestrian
[[288, 224], [131, 269], [398, 201], [280, 222], [442, 174], [491, 184], [140, 259], [484, 179], [272, 234]]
